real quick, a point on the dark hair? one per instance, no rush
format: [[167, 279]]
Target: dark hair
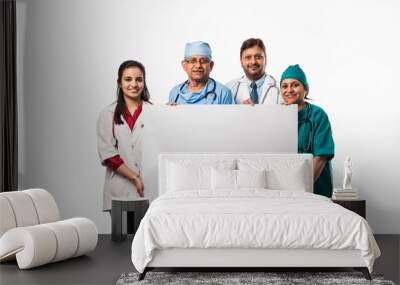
[[306, 95], [249, 43], [145, 96]]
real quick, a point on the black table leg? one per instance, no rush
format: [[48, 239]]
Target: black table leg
[[131, 220], [139, 213], [138, 217], [116, 222], [126, 217]]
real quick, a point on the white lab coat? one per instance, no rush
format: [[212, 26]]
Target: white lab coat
[[240, 90], [129, 149]]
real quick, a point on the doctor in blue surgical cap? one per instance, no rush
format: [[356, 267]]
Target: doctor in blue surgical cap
[[199, 88]]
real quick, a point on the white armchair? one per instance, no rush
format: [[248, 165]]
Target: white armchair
[[31, 230]]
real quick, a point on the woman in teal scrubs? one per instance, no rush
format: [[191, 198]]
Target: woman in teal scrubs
[[314, 129]]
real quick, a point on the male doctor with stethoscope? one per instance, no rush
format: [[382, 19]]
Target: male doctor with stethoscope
[[256, 86]]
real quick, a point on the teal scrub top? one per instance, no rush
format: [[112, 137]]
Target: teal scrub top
[[315, 136]]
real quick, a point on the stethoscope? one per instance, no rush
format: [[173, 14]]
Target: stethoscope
[[273, 85], [212, 91], [307, 120]]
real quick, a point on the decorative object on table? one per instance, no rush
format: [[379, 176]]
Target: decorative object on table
[[32, 233], [347, 192], [134, 207], [348, 173], [244, 278]]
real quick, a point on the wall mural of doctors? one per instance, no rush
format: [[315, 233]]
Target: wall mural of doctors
[[256, 86], [199, 88], [119, 132], [314, 129]]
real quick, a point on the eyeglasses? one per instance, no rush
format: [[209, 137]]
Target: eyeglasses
[[201, 61], [256, 57]]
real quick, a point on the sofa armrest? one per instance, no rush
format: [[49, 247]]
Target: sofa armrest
[[40, 244]]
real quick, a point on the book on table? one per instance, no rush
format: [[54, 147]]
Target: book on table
[[345, 194]]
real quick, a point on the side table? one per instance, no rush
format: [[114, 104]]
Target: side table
[[135, 210], [357, 206]]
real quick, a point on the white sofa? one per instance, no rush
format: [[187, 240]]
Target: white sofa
[[32, 233]]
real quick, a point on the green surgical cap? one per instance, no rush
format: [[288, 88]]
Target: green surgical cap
[[295, 72]]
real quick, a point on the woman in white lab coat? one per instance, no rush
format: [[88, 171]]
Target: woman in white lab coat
[[119, 132]]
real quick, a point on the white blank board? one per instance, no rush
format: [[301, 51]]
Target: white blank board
[[214, 128]]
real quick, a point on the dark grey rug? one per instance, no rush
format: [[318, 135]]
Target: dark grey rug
[[243, 278]]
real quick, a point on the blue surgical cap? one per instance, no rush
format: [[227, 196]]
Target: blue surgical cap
[[197, 48]]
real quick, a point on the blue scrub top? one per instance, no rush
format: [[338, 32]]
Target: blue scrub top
[[315, 136], [221, 95]]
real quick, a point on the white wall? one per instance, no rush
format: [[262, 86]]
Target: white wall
[[69, 52]]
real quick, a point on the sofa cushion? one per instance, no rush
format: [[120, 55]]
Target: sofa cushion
[[40, 244]]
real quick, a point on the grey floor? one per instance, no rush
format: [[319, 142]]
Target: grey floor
[[102, 266], [110, 260]]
